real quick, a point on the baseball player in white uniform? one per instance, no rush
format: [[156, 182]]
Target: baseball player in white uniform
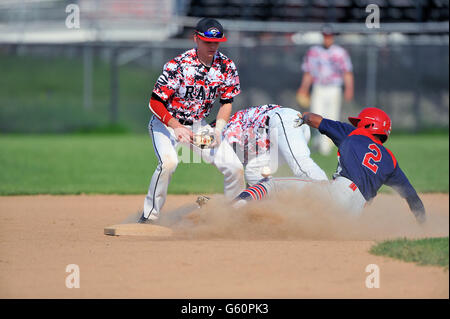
[[267, 136], [327, 67], [182, 97]]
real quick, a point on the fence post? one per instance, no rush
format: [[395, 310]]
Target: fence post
[[113, 108], [371, 78], [417, 88], [87, 74]]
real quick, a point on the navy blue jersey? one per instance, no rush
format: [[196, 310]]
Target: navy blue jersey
[[367, 163]]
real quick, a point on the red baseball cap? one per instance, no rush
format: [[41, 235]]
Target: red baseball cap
[[210, 30]]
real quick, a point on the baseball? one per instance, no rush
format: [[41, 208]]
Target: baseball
[[265, 171]]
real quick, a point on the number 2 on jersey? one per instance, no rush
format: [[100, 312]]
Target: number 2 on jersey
[[376, 157]]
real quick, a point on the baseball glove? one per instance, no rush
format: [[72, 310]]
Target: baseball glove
[[203, 139], [299, 121]]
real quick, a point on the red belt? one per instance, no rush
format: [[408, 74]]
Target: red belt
[[353, 187]]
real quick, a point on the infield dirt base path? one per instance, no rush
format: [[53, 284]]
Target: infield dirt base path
[[41, 235]]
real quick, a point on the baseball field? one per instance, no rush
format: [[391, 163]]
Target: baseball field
[[58, 193]]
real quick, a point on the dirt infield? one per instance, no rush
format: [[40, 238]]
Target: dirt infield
[[215, 254]]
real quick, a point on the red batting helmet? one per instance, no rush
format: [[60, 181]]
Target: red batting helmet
[[375, 121]]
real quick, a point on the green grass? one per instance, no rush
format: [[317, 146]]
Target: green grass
[[124, 163], [424, 158], [73, 164], [429, 251]]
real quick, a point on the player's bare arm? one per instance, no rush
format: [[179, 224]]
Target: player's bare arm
[[349, 86], [303, 90], [221, 120], [222, 117], [306, 84], [312, 119]]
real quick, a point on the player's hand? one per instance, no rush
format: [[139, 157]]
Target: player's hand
[[421, 217], [183, 134], [303, 99]]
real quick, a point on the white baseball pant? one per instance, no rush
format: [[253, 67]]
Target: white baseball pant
[[288, 144], [347, 196], [165, 144], [326, 101], [341, 191]]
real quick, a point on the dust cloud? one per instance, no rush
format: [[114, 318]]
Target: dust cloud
[[309, 215]]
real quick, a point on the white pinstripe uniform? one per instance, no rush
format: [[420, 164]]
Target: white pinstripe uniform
[[265, 136], [327, 67]]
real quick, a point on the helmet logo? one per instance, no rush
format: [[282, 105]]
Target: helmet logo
[[214, 31]]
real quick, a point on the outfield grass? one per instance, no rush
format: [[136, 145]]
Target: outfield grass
[[123, 164], [76, 164], [429, 251]]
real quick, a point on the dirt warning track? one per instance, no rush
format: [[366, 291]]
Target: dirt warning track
[[261, 254]]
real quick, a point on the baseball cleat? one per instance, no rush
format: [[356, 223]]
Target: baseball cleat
[[266, 172], [143, 220], [202, 200]]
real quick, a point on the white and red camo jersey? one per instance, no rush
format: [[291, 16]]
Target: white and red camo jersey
[[189, 88], [247, 128], [327, 66]]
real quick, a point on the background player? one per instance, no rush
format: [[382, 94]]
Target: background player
[[364, 164], [260, 134], [327, 67], [182, 97]]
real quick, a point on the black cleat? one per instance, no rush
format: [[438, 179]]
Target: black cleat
[[143, 220]]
